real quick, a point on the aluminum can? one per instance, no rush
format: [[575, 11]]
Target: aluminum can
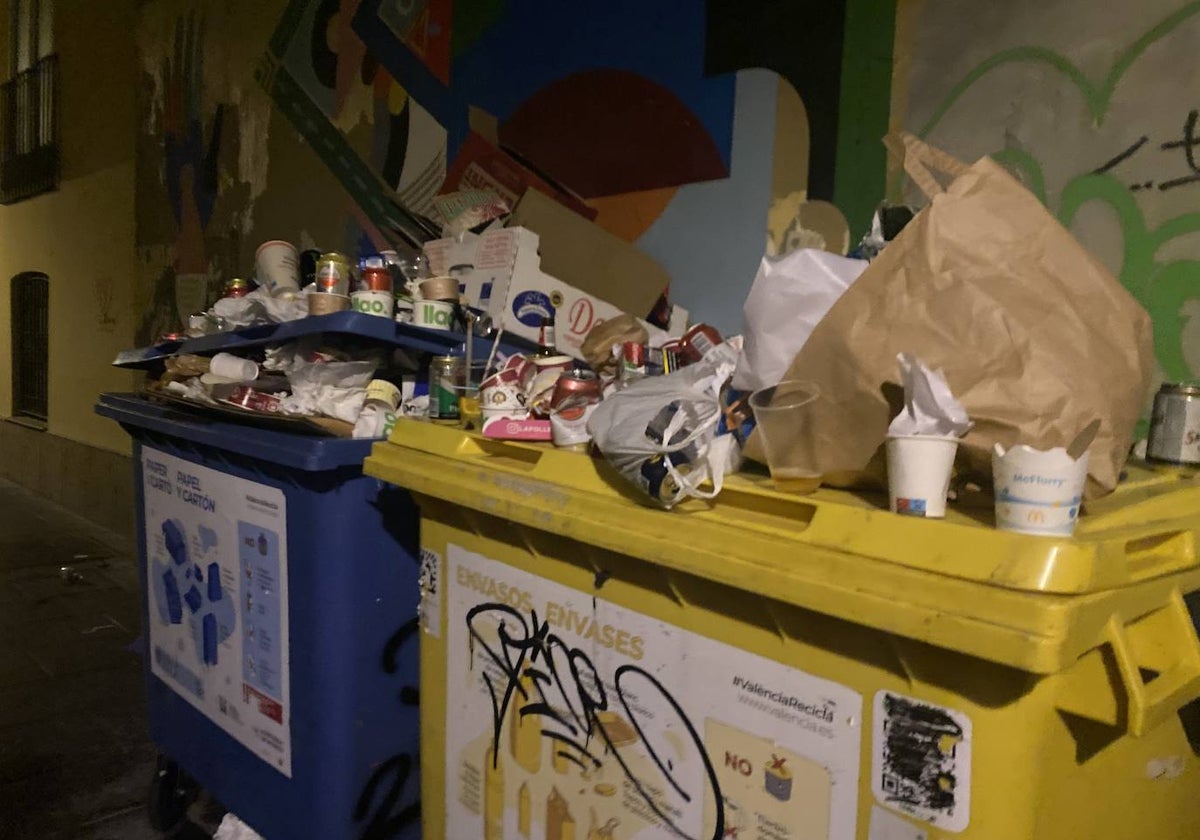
[[633, 361], [1175, 424], [236, 288], [333, 273], [446, 377], [574, 388]]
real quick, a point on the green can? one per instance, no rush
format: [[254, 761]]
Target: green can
[[447, 375]]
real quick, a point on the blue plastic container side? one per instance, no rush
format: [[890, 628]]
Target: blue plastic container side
[[353, 647]]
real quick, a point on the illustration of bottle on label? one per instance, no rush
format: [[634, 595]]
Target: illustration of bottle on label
[[559, 824], [524, 810], [493, 797], [525, 731]]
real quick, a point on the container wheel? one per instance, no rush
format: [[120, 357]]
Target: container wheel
[[172, 792]]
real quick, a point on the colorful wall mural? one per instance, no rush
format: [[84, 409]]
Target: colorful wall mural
[[658, 117], [705, 133], [1096, 113]]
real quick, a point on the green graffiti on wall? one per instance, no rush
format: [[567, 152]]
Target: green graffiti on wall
[[1162, 288]]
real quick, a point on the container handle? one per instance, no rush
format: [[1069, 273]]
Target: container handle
[[1151, 703]]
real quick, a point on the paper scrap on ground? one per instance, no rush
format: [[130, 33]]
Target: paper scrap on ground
[[929, 406]]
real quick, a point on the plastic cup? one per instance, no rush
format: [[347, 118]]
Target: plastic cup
[[277, 266], [234, 368], [919, 468], [783, 415], [1038, 492]]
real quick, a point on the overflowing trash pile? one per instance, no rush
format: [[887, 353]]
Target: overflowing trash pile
[[972, 343]]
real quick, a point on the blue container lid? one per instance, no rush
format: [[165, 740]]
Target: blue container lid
[[302, 452]]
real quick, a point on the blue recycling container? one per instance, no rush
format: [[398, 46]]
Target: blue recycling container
[[279, 608]]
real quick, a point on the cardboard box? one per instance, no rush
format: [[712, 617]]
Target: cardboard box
[[499, 271], [590, 258], [480, 165]]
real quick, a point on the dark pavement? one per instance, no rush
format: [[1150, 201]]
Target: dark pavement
[[76, 760]]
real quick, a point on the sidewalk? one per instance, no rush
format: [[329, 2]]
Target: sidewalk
[[76, 760]]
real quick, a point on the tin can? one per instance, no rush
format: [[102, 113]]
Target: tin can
[[575, 387], [697, 341], [236, 288], [333, 273], [1175, 424], [446, 377], [376, 279], [633, 361]]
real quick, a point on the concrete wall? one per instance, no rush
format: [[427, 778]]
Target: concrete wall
[[1095, 109]]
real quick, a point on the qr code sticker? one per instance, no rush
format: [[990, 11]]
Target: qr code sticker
[[429, 579], [921, 760]]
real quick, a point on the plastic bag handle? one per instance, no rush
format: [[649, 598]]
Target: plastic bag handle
[[921, 161], [1149, 704]]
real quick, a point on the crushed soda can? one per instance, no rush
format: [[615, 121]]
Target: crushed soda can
[[253, 400]]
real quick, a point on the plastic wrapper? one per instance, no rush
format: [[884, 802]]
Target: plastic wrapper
[[258, 307], [660, 433]]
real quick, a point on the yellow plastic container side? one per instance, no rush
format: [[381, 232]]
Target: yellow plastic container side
[[777, 666]]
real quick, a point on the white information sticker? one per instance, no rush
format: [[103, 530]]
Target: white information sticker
[[921, 760], [570, 716], [216, 574]]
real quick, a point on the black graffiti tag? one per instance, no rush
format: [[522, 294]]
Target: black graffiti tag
[[381, 802], [560, 684]]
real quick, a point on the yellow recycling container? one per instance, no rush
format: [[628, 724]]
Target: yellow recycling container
[[774, 667]]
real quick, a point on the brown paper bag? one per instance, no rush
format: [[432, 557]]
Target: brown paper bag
[[1035, 336]]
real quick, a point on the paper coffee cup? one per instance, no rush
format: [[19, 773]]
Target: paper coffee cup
[[374, 303], [439, 288], [919, 468], [323, 303], [233, 368], [433, 314], [277, 267], [1038, 492]]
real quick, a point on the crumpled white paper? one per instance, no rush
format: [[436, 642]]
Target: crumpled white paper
[[191, 389], [332, 389], [258, 307], [929, 406], [232, 828], [790, 296]]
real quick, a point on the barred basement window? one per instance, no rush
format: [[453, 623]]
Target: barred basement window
[[30, 344]]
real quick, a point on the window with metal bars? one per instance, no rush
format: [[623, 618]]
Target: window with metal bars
[[29, 130], [30, 344]]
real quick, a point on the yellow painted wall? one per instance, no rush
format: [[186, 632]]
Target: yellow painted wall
[[82, 236]]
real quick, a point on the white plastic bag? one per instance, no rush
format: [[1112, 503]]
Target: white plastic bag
[[232, 828], [661, 432], [790, 296]]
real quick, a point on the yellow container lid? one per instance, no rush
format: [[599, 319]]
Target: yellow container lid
[[1036, 603]]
